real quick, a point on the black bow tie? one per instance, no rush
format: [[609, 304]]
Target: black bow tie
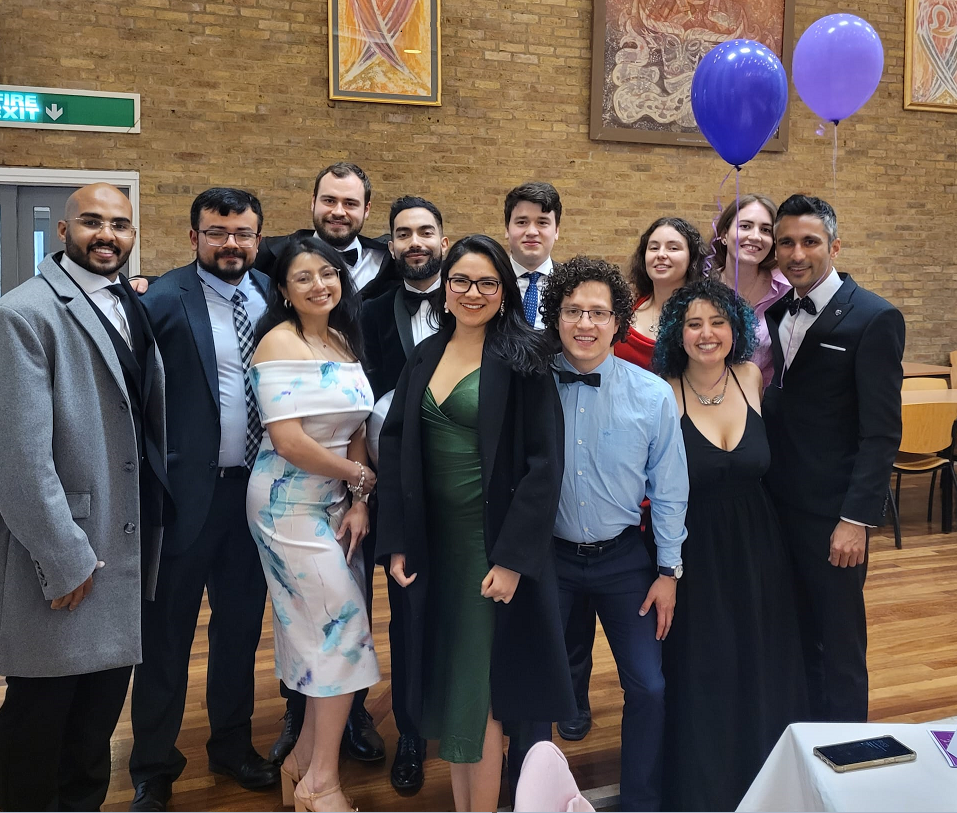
[[568, 377], [413, 299], [796, 304], [351, 256]]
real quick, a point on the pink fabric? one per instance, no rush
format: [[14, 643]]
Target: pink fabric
[[762, 355], [546, 784]]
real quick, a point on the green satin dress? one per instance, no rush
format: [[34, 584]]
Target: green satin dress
[[459, 622]]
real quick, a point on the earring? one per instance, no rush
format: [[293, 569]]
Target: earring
[[446, 308], [501, 310], [287, 303]]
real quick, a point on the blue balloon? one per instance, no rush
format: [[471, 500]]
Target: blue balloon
[[739, 94]]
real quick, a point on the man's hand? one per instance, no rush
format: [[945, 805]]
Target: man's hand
[[662, 594], [500, 583], [397, 570], [355, 523], [72, 599], [139, 284], [848, 545]]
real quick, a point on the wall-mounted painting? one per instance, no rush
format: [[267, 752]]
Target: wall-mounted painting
[[385, 51], [930, 55], [644, 54]]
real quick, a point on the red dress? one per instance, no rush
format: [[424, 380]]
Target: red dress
[[636, 348]]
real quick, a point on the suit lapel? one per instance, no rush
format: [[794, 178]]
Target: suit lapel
[[403, 322], [197, 315], [493, 395], [773, 318], [830, 317]]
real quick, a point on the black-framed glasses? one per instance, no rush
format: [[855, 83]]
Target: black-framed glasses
[[485, 286], [598, 316], [219, 237], [120, 228]]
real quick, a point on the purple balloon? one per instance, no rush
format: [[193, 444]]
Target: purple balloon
[[739, 94], [838, 63]]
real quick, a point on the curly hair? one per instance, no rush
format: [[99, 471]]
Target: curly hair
[[671, 359], [697, 250], [567, 276], [723, 228]]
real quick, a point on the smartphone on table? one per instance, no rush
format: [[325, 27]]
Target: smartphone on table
[[852, 756]]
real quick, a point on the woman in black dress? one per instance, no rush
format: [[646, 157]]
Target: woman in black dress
[[732, 662]]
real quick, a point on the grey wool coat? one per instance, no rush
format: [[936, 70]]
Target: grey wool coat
[[69, 485]]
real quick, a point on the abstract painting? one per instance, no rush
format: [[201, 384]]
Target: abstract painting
[[385, 51], [930, 58], [644, 54]]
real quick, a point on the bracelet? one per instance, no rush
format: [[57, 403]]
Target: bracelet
[[357, 488]]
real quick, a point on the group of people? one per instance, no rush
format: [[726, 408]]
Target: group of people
[[693, 451]]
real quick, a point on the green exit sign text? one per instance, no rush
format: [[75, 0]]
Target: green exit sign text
[[61, 109]]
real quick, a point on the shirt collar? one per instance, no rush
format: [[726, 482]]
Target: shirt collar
[[225, 289], [433, 287], [545, 268], [355, 244], [605, 368], [829, 286], [87, 280]]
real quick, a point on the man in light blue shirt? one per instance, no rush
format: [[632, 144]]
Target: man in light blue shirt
[[622, 442]]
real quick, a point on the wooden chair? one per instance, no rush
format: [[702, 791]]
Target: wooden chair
[[927, 429], [924, 383], [953, 370]]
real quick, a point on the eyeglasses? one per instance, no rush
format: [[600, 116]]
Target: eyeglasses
[[598, 317], [219, 237], [485, 286], [120, 228], [304, 281]]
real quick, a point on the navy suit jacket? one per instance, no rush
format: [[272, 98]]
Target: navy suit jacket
[[177, 311], [834, 416]]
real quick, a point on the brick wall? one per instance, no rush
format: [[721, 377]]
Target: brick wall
[[235, 94]]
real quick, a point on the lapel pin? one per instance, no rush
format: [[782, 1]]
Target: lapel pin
[[838, 312]]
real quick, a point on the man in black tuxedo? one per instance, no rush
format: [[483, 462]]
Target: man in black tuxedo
[[833, 416], [392, 325], [341, 200], [203, 316]]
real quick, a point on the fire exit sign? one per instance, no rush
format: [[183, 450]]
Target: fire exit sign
[[61, 109]]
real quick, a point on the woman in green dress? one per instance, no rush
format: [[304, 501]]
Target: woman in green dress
[[470, 475]]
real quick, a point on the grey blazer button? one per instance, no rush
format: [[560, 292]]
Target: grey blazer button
[[128, 466], [129, 528]]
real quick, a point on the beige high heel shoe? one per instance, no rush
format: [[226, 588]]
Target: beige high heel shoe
[[290, 778], [306, 801]]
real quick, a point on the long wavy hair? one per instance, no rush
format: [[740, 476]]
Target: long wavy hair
[[723, 226], [507, 336], [344, 317], [671, 359], [697, 252]]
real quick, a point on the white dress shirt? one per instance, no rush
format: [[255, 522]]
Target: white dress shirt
[[794, 328], [95, 285], [422, 325], [367, 265], [229, 361], [544, 269]]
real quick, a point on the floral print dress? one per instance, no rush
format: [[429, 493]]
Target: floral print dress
[[323, 641]]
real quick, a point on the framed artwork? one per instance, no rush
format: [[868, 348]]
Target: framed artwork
[[385, 51], [644, 54], [930, 55]]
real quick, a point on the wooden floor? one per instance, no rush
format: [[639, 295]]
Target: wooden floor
[[912, 655]]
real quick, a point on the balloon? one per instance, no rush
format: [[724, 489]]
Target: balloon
[[739, 94], [837, 65]]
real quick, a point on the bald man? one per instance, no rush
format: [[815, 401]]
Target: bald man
[[82, 485]]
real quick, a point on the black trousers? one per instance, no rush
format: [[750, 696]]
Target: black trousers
[[55, 739], [579, 641], [223, 560], [831, 618]]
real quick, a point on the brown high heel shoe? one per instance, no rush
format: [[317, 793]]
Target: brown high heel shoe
[[307, 801], [290, 778]]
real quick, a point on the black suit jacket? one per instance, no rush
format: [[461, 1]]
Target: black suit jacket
[[177, 311], [387, 278], [521, 451], [388, 339], [834, 416]]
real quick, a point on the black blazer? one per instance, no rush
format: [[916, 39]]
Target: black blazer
[[387, 278], [387, 335], [834, 416], [177, 311], [521, 449]]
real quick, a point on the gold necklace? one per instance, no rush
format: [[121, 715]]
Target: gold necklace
[[714, 400]]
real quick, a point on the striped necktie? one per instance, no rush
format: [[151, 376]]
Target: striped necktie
[[244, 331]]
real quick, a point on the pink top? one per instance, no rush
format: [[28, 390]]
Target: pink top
[[762, 355]]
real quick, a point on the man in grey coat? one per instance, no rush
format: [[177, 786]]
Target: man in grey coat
[[82, 485]]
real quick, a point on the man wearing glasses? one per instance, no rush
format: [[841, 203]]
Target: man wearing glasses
[[82, 481], [204, 315], [622, 442]]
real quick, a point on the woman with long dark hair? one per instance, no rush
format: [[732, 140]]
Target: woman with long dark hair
[[469, 481], [306, 504]]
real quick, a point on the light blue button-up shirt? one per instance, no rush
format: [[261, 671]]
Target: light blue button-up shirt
[[229, 362], [622, 442]]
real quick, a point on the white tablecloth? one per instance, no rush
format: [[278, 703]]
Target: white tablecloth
[[793, 779]]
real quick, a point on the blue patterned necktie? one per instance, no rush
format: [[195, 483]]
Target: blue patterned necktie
[[244, 330], [530, 300]]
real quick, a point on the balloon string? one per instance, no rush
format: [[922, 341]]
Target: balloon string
[[709, 262], [737, 231], [834, 164]]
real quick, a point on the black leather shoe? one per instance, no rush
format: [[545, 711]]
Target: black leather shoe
[[407, 768], [576, 729], [361, 740], [287, 738], [253, 773], [153, 794]]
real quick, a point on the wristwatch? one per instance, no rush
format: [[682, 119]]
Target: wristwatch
[[675, 572]]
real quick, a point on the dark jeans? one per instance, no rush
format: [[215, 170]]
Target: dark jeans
[[616, 583], [55, 739], [223, 560]]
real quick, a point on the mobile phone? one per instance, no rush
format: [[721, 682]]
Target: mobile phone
[[852, 756]]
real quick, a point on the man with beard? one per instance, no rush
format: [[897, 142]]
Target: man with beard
[[81, 503], [341, 200], [204, 315]]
